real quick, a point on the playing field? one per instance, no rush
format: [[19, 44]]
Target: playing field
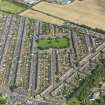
[[88, 12], [42, 17], [6, 5], [53, 43]]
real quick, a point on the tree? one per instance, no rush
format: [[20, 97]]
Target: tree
[[73, 101], [2, 101]]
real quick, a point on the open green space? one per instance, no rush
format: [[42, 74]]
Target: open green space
[[11, 7], [45, 43]]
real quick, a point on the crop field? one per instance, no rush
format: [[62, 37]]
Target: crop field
[[8, 6], [88, 12], [53, 43]]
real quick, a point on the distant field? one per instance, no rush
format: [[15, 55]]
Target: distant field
[[46, 43], [88, 12], [6, 5], [42, 17]]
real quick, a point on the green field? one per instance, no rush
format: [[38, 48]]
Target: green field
[[46, 43], [11, 7]]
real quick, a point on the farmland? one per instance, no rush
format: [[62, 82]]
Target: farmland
[[42, 17], [77, 12]]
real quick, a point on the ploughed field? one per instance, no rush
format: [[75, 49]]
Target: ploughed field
[[29, 70], [42, 17], [87, 12]]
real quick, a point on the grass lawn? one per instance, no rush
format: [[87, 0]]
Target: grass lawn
[[11, 7], [46, 43]]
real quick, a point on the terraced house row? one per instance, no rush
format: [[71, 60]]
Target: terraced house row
[[29, 70]]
